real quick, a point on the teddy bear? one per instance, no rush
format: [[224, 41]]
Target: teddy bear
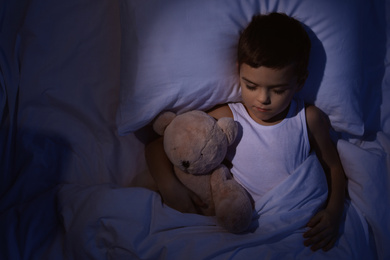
[[196, 144]]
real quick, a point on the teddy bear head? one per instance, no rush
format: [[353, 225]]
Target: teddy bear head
[[195, 142]]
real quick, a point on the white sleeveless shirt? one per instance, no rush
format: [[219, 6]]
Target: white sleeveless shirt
[[263, 156]]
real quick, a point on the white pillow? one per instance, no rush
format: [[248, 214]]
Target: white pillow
[[368, 185], [180, 55]]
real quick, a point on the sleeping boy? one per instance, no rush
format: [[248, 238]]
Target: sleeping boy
[[278, 130]]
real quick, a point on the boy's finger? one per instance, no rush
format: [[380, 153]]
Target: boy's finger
[[317, 239], [314, 220], [322, 241], [329, 245], [318, 228]]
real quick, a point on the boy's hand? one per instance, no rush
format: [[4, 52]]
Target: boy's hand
[[179, 197], [324, 230]]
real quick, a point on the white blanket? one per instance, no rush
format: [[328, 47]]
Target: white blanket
[[105, 222]]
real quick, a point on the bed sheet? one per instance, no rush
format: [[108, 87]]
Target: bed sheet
[[59, 63], [97, 223], [59, 94]]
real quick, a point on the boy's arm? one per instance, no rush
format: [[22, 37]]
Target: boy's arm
[[324, 226], [173, 192], [220, 111]]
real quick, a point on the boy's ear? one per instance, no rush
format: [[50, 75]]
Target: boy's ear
[[302, 80]]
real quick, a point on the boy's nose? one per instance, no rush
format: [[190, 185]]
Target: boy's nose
[[263, 97], [185, 164]]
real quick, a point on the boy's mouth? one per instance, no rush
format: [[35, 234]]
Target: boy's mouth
[[261, 109]]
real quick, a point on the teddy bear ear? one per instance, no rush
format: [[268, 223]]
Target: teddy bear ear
[[229, 127], [162, 121]]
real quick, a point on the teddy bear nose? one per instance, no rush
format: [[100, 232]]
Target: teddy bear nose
[[185, 164]]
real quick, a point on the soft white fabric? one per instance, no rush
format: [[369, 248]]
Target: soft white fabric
[[180, 55], [364, 165], [131, 223], [263, 156]]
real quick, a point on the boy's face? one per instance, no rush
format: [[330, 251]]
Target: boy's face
[[267, 93]]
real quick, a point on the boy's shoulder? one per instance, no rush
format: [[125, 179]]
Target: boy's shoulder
[[316, 119], [220, 111]]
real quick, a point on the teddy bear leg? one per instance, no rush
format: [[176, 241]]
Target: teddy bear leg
[[233, 204], [200, 185]]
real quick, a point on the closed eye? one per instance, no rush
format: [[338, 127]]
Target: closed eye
[[251, 88], [279, 92]]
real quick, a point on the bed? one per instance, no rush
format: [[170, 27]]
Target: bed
[[81, 80]]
